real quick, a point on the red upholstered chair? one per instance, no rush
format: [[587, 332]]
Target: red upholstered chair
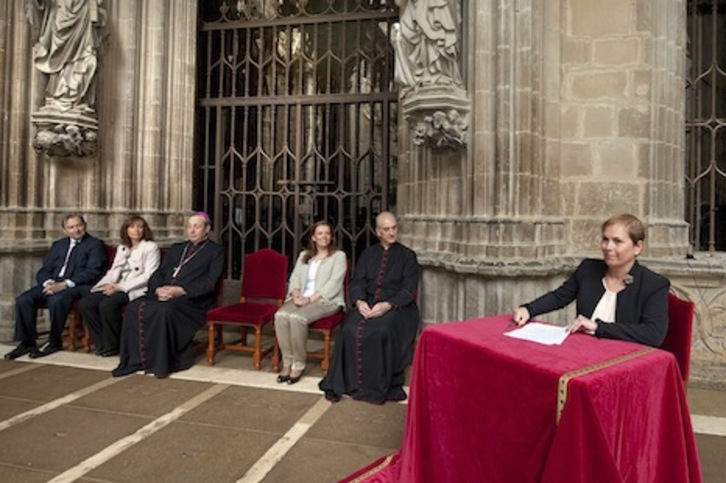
[[74, 318], [325, 326], [72, 332], [264, 284], [680, 330], [200, 344]]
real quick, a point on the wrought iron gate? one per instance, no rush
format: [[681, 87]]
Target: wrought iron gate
[[296, 121], [706, 124]]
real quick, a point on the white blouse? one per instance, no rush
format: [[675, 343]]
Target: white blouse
[[605, 309], [309, 288]]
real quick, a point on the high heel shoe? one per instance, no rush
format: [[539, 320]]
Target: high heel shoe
[[294, 379], [281, 379]]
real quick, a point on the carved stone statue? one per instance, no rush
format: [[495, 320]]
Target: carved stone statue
[[68, 36], [427, 47]]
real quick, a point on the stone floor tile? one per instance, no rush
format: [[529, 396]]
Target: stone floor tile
[[48, 382], [707, 401], [253, 408], [313, 461], [63, 437], [10, 407], [711, 451], [361, 423], [7, 366], [24, 475], [142, 395], [187, 452]]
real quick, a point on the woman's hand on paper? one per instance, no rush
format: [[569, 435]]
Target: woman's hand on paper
[[582, 323], [521, 316]]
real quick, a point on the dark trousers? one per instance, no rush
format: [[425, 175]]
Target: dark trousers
[[58, 304], [102, 314]]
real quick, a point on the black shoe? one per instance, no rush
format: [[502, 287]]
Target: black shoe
[[281, 379], [396, 394], [109, 353], [124, 371], [44, 350], [22, 349], [294, 379]]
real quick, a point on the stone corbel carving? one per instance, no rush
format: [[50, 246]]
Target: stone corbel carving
[[438, 117], [68, 35]]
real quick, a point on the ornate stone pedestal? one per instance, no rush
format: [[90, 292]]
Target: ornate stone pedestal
[[65, 133], [438, 116]]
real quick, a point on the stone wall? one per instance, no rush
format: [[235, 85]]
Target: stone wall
[[622, 119], [577, 114], [144, 161]]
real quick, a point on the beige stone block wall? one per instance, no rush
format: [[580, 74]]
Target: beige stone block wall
[[621, 117]]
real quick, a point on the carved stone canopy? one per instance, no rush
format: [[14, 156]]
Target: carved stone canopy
[[438, 116]]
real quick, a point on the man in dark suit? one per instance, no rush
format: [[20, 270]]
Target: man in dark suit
[[69, 270]]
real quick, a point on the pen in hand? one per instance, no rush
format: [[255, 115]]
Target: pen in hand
[[520, 316]]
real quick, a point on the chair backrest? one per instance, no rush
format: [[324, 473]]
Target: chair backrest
[[346, 283], [110, 254], [219, 293], [680, 330], [265, 275]]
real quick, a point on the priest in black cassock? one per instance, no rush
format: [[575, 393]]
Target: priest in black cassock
[[375, 344], [159, 328]]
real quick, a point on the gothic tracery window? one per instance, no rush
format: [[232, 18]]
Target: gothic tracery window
[[706, 124]]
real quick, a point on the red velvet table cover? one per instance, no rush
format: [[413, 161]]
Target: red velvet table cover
[[484, 407]]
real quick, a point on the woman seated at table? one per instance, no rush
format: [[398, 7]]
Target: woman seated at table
[[137, 257], [617, 298], [315, 291]]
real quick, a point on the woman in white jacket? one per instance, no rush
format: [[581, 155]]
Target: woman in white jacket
[[137, 257], [315, 291]]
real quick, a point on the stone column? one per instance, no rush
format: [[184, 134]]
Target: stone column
[[474, 215], [21, 182], [150, 109]]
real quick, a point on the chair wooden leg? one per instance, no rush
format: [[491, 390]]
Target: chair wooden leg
[[325, 363], [211, 344], [257, 355], [71, 338], [275, 355], [86, 341]]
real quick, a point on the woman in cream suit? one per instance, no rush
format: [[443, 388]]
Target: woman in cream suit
[[315, 291], [137, 257]]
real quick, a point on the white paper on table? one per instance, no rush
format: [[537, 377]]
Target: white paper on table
[[540, 333]]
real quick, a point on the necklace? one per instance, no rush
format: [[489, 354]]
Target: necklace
[[183, 260]]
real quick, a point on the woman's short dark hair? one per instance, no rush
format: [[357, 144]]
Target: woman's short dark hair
[[312, 249], [635, 227], [148, 234]]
